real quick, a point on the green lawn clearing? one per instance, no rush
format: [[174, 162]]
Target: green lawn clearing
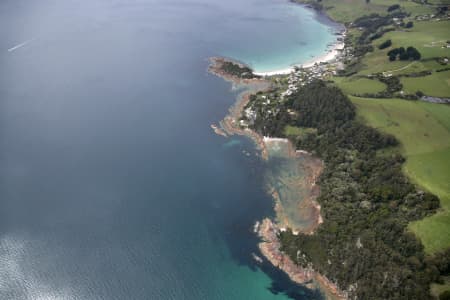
[[359, 85]]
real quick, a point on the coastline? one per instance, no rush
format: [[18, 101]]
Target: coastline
[[267, 230], [270, 248], [229, 125], [294, 189]]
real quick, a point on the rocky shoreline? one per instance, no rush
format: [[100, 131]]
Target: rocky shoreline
[[270, 249], [216, 67], [230, 124]]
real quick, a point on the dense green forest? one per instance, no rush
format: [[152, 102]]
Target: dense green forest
[[363, 244], [237, 70]]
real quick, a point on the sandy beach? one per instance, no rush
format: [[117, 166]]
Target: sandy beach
[[326, 57]]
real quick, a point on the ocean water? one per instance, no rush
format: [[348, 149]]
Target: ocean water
[[289, 35], [112, 183]]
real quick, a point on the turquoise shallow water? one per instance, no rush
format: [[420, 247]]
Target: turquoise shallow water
[[290, 175], [112, 183], [291, 40]]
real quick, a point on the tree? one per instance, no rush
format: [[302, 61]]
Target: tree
[[393, 7], [404, 56], [409, 53], [413, 53]]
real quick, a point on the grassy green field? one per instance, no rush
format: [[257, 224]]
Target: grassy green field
[[424, 132], [355, 85], [298, 131], [349, 10], [428, 37], [436, 84]]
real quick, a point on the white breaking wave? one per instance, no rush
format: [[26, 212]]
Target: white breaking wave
[[20, 45]]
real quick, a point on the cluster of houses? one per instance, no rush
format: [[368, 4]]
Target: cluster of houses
[[266, 103], [347, 54], [303, 76], [250, 116]]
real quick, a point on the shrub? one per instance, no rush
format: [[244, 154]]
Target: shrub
[[404, 56], [409, 53], [385, 44], [393, 7]]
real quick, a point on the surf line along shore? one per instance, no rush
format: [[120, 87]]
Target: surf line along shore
[[268, 230]]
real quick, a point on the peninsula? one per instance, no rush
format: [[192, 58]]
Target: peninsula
[[374, 208]]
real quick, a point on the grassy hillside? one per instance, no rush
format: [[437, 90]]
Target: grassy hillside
[[429, 35], [349, 10], [436, 84], [424, 131]]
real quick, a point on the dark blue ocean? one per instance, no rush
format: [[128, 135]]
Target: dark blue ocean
[[112, 183]]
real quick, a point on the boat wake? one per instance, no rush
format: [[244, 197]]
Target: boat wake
[[20, 45]]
